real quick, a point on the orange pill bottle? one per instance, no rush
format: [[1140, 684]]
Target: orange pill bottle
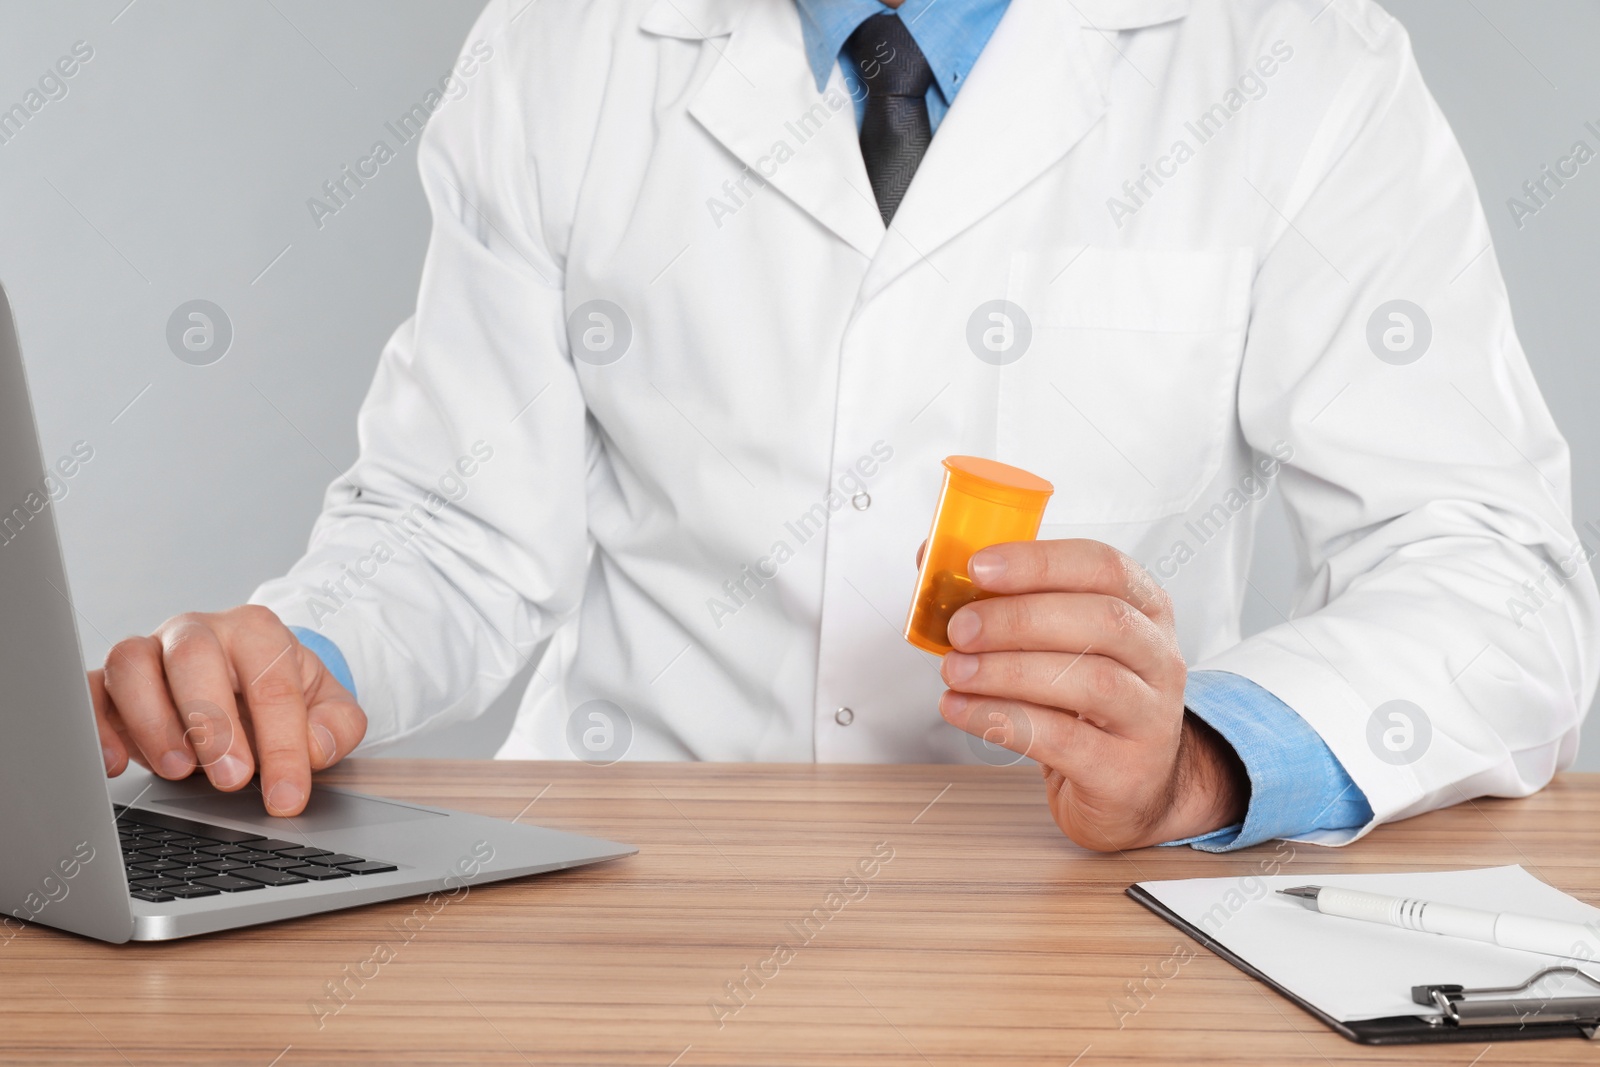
[[983, 502]]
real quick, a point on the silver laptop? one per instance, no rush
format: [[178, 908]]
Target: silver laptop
[[140, 858]]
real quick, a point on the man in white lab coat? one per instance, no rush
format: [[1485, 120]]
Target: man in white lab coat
[[713, 287]]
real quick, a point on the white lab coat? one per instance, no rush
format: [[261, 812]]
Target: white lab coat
[[715, 531]]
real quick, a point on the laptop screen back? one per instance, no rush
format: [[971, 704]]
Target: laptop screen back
[[60, 863]]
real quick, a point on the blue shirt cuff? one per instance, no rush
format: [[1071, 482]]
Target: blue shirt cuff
[[1297, 785], [328, 653]]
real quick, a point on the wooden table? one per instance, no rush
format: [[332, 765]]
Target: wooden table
[[988, 938]]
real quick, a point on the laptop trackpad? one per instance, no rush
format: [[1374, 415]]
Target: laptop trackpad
[[327, 810]]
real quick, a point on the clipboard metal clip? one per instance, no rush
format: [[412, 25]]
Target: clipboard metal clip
[[1503, 1008]]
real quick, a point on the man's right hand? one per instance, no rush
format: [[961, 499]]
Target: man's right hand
[[225, 692]]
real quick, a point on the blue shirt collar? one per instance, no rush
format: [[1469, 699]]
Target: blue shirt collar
[[951, 33]]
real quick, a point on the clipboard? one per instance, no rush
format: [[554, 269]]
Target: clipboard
[[1487, 1015]]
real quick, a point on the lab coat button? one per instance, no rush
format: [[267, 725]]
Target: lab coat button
[[844, 716], [861, 501]]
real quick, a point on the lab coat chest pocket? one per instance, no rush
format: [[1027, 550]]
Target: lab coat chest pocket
[[1124, 394]]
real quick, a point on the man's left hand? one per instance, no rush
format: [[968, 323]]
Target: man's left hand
[[1075, 663]]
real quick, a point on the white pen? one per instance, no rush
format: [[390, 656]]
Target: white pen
[[1505, 929]]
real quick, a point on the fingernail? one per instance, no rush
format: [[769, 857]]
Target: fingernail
[[326, 747], [109, 756], [959, 667], [952, 703], [985, 567], [175, 764], [964, 627], [285, 796], [229, 772]]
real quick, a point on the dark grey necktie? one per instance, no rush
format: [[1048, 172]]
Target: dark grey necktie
[[894, 127]]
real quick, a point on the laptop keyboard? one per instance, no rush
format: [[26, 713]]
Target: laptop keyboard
[[169, 858]]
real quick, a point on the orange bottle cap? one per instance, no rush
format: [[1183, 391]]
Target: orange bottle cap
[[998, 482]]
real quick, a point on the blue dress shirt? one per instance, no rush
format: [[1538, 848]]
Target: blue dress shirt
[[950, 33], [1297, 785], [329, 654]]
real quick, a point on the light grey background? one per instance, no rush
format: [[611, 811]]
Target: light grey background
[[178, 167]]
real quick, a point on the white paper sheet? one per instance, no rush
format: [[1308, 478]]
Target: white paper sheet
[[1355, 970]]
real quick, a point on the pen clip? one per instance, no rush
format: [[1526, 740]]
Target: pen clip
[[1456, 1009]]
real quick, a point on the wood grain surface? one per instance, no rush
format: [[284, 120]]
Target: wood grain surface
[[987, 938]]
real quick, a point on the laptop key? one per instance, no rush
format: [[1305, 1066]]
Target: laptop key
[[250, 856], [190, 842], [194, 859], [220, 865], [189, 874], [155, 883], [221, 850], [157, 866], [228, 883], [336, 859], [302, 852], [189, 892], [319, 874], [272, 844], [280, 864], [368, 867], [154, 896], [266, 877], [161, 852]]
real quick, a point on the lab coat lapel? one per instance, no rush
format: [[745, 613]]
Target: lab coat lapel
[[1030, 98], [761, 102]]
